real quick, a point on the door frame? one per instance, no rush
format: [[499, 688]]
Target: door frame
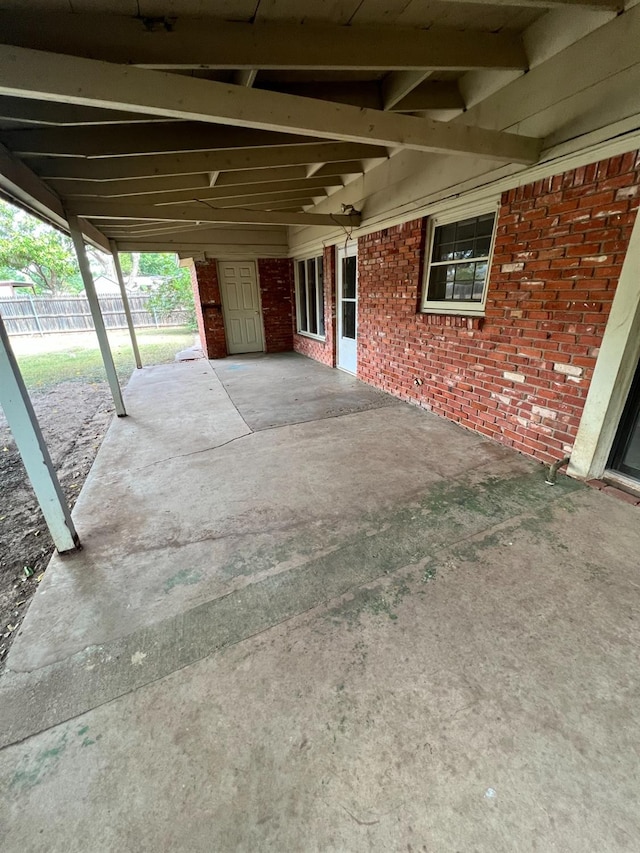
[[346, 250], [222, 305], [613, 373]]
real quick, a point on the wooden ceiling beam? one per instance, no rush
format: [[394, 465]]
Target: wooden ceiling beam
[[240, 160], [178, 183], [309, 185], [47, 76], [270, 198], [45, 112], [202, 43], [429, 95], [203, 213], [17, 181], [119, 141], [397, 85], [245, 77]]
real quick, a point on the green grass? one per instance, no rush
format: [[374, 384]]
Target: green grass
[[157, 346]]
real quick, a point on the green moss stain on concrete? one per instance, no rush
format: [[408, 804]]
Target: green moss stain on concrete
[[33, 770], [429, 573], [375, 601], [408, 534], [460, 517], [185, 577]]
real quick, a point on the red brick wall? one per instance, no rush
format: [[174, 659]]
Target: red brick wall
[[206, 293], [275, 276], [324, 351], [521, 374], [275, 279]]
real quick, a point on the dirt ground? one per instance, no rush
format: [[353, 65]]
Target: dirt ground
[[74, 417]]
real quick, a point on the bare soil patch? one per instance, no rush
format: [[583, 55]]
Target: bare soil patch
[[74, 417]]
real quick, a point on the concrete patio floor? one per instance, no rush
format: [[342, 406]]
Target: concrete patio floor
[[309, 617]]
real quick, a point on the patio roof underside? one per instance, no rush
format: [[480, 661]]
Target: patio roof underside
[[210, 128]]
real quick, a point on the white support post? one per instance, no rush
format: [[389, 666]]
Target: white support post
[[96, 313], [25, 429], [125, 301]]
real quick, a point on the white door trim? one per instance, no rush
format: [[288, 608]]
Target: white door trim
[[348, 249], [614, 371]]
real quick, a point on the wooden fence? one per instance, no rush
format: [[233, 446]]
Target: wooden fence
[[47, 314]]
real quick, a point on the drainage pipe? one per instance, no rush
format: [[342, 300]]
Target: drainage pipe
[[552, 476]]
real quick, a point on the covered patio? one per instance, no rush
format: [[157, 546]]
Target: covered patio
[[291, 611], [325, 615]]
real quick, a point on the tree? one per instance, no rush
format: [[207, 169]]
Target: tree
[[30, 248], [172, 285]]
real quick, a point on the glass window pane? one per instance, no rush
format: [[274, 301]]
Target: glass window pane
[[463, 250], [478, 290], [320, 286], [312, 297], [313, 309], [437, 282], [485, 224], [466, 230], [463, 288], [302, 296], [349, 320], [461, 241], [349, 278], [482, 245], [443, 241]]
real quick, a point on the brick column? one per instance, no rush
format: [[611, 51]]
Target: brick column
[[206, 293], [275, 276]]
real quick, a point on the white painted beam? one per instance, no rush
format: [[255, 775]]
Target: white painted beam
[[429, 95], [218, 192], [214, 161], [245, 77], [272, 201], [398, 84], [237, 236], [42, 112], [193, 246], [201, 43], [177, 183], [200, 213], [125, 303], [18, 182], [96, 313], [136, 186], [47, 76], [138, 138], [27, 435]]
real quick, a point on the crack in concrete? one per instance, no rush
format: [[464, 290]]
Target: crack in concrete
[[251, 432], [69, 688]]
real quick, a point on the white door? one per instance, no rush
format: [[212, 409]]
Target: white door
[[241, 306], [347, 293]]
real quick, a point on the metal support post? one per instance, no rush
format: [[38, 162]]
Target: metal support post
[[125, 302], [96, 313], [26, 432]]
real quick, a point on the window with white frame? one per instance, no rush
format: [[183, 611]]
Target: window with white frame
[[459, 259], [310, 296]]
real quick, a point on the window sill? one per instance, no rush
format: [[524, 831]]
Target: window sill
[[458, 319], [322, 339]]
